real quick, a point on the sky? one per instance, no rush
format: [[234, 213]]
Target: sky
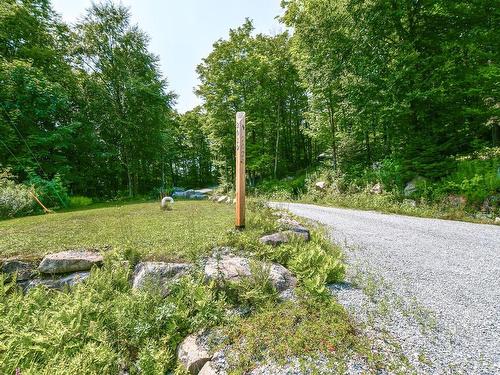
[[182, 31]]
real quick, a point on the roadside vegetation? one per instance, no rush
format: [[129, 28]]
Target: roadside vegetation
[[470, 193], [102, 325]]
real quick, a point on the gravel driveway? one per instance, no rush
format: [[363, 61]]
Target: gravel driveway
[[433, 286]]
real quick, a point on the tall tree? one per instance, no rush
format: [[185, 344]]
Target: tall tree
[[254, 74], [127, 102], [36, 84], [394, 79]]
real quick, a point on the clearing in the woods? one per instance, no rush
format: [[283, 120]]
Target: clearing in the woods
[[190, 228]]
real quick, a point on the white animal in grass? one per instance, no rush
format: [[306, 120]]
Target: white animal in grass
[[167, 203]]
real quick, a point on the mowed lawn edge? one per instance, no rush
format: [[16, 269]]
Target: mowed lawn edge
[[180, 234]]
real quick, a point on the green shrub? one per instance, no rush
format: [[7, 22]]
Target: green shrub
[[390, 174], [315, 263], [286, 188], [476, 179], [52, 193], [80, 201], [15, 199]]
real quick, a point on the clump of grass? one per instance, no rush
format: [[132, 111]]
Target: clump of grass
[[306, 329], [252, 293]]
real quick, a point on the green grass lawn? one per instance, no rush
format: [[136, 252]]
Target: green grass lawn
[[187, 230]]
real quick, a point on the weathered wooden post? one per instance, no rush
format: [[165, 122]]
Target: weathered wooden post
[[240, 170]]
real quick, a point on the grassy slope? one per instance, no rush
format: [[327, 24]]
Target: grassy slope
[[177, 234]]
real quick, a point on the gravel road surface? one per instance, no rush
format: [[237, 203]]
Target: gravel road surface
[[432, 285]]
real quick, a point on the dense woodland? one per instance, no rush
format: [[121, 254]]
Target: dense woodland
[[408, 88]]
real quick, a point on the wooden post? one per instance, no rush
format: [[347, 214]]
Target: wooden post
[[240, 170]]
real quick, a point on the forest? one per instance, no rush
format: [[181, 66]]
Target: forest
[[366, 92]]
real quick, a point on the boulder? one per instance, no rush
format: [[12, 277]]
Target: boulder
[[377, 189], [209, 369], [301, 231], [497, 220], [69, 261], [167, 203], [157, 275], [411, 187], [233, 268], [222, 199], [280, 238], [23, 270], [193, 353], [320, 185], [58, 283]]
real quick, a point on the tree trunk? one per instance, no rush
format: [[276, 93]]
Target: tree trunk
[[129, 177]]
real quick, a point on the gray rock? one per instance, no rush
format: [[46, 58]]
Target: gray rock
[[280, 238], [376, 189], [287, 223], [23, 270], [58, 283], [209, 369], [157, 275], [69, 261], [193, 353], [411, 187], [497, 220], [320, 185], [233, 268], [301, 231], [222, 199], [288, 295]]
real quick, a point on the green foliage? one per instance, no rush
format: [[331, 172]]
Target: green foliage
[[14, 198], [475, 179], [52, 192], [408, 81], [79, 201], [255, 292], [254, 74], [390, 174], [315, 263], [102, 327], [291, 186]]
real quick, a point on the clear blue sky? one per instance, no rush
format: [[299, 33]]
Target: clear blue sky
[[182, 31]]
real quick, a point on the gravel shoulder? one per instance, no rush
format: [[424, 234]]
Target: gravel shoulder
[[431, 286]]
